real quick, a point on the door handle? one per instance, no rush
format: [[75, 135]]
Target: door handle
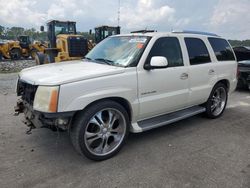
[[211, 71], [184, 76]]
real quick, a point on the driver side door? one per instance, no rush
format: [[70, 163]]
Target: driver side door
[[163, 90]]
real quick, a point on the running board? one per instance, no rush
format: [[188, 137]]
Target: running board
[[170, 118]]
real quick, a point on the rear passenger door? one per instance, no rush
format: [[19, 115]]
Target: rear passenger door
[[225, 66], [201, 70]]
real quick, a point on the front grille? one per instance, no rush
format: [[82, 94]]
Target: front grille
[[78, 46], [26, 91]]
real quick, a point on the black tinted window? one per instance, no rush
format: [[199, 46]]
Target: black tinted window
[[221, 49], [197, 51], [168, 47]]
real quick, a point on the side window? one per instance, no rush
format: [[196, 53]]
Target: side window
[[168, 47], [222, 49], [197, 51]]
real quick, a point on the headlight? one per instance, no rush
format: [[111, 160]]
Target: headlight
[[46, 98]]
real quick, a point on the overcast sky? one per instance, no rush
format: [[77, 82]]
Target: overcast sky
[[229, 18]]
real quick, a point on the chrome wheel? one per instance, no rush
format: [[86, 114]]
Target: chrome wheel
[[218, 101], [105, 131]]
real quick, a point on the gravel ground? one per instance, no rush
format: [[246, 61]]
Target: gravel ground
[[8, 66], [195, 152]]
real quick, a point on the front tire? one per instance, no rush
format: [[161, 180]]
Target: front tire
[[15, 54], [39, 58], [217, 101], [100, 131]]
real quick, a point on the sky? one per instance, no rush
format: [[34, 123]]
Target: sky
[[228, 18]]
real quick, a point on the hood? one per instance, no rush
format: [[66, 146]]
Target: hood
[[245, 63], [67, 72]]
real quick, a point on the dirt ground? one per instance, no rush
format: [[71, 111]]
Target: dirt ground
[[196, 152]]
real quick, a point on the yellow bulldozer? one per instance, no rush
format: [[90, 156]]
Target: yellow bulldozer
[[22, 48]]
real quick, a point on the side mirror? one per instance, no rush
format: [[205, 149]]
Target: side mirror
[[42, 28], [157, 62]]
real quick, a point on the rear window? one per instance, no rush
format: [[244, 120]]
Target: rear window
[[197, 51], [222, 49]]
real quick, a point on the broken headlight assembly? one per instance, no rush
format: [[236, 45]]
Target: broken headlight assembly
[[46, 99]]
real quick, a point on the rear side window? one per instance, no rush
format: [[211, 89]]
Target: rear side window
[[222, 49], [168, 47], [197, 51]]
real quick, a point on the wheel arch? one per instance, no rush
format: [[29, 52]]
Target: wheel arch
[[122, 101], [225, 82]]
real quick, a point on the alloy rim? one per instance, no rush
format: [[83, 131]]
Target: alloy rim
[[218, 101], [105, 131]]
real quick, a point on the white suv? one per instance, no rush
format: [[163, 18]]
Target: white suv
[[133, 82]]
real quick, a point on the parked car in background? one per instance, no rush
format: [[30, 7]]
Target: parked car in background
[[244, 74], [242, 53], [243, 57]]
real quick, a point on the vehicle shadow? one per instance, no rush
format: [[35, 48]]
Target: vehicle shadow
[[58, 145]]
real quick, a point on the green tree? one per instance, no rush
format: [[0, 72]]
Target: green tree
[[87, 35], [1, 30], [239, 42], [13, 32]]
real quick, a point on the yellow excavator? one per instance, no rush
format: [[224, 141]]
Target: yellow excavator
[[64, 43], [22, 48]]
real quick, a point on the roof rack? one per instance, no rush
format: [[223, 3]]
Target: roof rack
[[143, 31], [196, 32]]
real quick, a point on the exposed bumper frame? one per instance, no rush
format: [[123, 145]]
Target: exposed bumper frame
[[37, 119]]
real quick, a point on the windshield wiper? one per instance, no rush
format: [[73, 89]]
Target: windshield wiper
[[87, 58], [106, 61]]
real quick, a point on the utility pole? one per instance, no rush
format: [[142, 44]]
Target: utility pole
[[119, 12]]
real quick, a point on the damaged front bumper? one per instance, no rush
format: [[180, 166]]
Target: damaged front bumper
[[35, 119]]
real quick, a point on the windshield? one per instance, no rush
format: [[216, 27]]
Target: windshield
[[64, 28], [119, 50]]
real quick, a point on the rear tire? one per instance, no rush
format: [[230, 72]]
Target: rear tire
[[242, 84], [100, 131], [217, 101]]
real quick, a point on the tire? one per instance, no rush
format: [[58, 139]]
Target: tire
[[242, 84], [40, 58], [51, 53], [100, 131], [33, 53], [217, 101], [15, 54]]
